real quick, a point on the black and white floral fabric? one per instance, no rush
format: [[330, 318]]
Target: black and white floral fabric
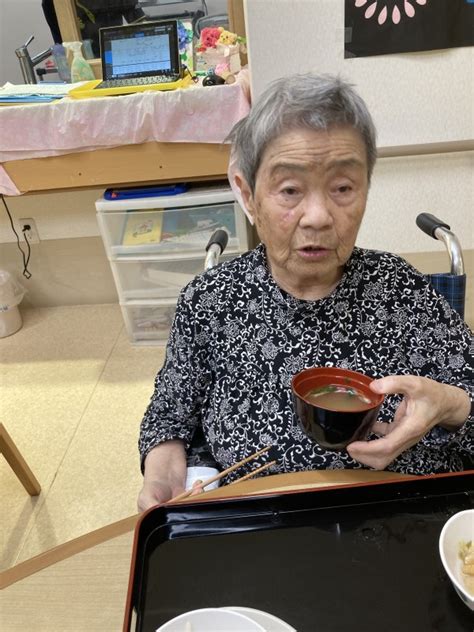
[[238, 339]]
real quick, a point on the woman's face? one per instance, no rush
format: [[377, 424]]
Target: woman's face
[[310, 196]]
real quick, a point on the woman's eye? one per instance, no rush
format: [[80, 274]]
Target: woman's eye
[[345, 188], [290, 191]]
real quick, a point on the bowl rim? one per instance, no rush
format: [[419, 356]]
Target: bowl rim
[[447, 568], [271, 618], [212, 610], [379, 397]]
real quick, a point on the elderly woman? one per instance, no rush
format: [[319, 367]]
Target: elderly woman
[[306, 296]]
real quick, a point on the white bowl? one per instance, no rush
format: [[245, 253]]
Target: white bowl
[[211, 620], [268, 621], [459, 527]]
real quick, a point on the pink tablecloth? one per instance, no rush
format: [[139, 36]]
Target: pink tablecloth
[[197, 114]]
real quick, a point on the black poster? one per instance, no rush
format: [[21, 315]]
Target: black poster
[[379, 27]]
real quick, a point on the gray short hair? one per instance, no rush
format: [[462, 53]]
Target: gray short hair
[[308, 101]]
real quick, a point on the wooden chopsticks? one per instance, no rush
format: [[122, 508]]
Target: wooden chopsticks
[[253, 472], [230, 469]]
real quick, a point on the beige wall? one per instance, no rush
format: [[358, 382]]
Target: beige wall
[[63, 272], [69, 265], [58, 215], [402, 188], [414, 98]]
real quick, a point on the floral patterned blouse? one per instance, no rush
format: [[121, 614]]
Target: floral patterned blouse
[[238, 338]]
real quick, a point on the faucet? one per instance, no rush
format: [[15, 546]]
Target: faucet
[[28, 63]]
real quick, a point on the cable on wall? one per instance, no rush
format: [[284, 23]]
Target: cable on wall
[[26, 257]]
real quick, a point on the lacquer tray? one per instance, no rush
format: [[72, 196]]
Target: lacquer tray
[[358, 557]]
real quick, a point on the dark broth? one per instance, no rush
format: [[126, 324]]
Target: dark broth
[[338, 398]]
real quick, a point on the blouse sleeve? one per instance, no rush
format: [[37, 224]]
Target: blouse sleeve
[[442, 349], [173, 412]]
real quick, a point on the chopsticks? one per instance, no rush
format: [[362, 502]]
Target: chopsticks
[[230, 469], [253, 472]]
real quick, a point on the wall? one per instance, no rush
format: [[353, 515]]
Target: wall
[[69, 265], [18, 20], [416, 99], [404, 187]]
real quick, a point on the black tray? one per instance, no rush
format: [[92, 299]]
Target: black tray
[[360, 558]]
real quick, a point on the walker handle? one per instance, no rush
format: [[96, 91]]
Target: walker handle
[[437, 229], [215, 247], [220, 238], [429, 223]]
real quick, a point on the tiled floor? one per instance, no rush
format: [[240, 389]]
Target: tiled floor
[[73, 391]]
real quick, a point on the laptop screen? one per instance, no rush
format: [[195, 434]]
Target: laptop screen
[[140, 50]]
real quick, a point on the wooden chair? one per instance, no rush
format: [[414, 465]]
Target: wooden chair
[[18, 463]]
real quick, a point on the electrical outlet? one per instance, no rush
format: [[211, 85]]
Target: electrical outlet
[[29, 230]]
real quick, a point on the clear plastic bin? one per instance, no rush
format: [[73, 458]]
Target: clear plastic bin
[[148, 279], [164, 232], [156, 245], [149, 323]]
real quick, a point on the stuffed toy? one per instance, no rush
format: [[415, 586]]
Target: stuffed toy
[[218, 46], [209, 37], [227, 38]]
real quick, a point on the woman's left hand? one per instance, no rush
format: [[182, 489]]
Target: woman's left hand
[[425, 404]]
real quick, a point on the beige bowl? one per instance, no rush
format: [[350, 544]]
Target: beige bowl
[[459, 527]]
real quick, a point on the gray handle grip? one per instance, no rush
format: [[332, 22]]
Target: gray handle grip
[[220, 238], [429, 223]]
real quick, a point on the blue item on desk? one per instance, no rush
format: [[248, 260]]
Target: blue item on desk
[[148, 191]]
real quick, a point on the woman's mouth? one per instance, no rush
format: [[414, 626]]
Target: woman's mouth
[[313, 252]]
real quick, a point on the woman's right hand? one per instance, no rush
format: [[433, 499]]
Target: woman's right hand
[[157, 491], [164, 476]]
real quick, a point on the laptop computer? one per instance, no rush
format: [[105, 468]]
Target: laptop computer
[[135, 58]]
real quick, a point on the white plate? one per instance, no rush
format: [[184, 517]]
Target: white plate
[[459, 527], [212, 620], [268, 621]]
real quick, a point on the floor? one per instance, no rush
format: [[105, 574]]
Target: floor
[[73, 392]]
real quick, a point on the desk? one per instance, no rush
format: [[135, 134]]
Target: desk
[[135, 139], [82, 585], [146, 163]]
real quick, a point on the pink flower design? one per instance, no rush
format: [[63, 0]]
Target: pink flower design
[[389, 9]]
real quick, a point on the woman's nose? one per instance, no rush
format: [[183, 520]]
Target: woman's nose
[[316, 213]]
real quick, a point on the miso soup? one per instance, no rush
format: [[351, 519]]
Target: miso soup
[[338, 398]]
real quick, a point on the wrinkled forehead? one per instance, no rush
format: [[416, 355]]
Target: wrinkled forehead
[[303, 149]]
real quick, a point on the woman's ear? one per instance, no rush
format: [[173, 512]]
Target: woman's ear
[[246, 193]]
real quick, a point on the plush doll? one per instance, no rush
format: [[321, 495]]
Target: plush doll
[[223, 70], [218, 46], [227, 38], [209, 37]]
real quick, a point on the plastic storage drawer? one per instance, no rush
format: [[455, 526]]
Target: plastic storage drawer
[[147, 279], [165, 232], [149, 323]]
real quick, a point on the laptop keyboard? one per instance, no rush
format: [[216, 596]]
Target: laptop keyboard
[[138, 81]]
